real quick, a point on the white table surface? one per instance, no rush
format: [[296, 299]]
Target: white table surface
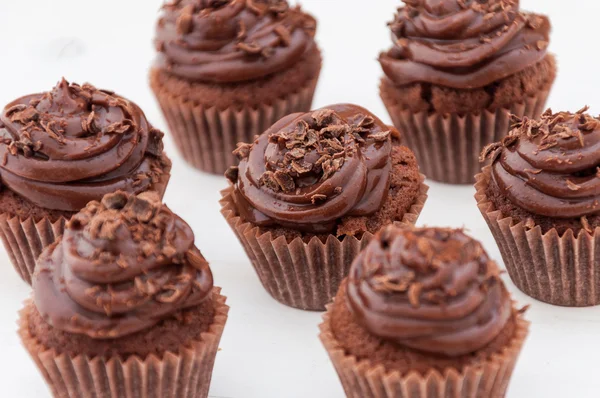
[[269, 350]]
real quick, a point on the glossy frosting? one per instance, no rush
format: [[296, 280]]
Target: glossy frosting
[[550, 166], [463, 44], [63, 148], [228, 41], [122, 266], [433, 290], [310, 169]]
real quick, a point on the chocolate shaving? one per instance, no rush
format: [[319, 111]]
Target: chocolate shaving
[[115, 201], [242, 151], [366, 121], [318, 198], [387, 284], [414, 293], [15, 108], [324, 134], [533, 171], [572, 186], [284, 35], [491, 151], [285, 181], [250, 48], [381, 136], [24, 116], [121, 127], [185, 21], [529, 223], [232, 174], [586, 225], [242, 30]]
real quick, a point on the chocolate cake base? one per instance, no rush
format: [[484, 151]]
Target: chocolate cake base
[[167, 335], [26, 229], [421, 97], [173, 359], [509, 209], [240, 94], [208, 120], [358, 342]]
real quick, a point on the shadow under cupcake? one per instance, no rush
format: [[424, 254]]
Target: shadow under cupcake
[[309, 193]]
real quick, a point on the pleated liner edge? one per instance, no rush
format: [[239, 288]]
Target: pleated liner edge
[[364, 379], [24, 238], [207, 136], [448, 146], [298, 274], [186, 374], [560, 270]]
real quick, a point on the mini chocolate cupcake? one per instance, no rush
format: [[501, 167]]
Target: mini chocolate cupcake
[[541, 199], [60, 150], [457, 69], [124, 305], [309, 193], [228, 69], [423, 314]]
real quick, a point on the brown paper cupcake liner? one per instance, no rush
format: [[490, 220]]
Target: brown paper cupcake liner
[[448, 146], [560, 270], [206, 136], [185, 374], [364, 379], [25, 238], [299, 274]]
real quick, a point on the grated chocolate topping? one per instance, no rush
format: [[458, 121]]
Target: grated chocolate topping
[[123, 264]]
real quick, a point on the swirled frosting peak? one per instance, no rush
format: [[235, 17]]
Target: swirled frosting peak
[[463, 44], [122, 265], [228, 41], [550, 166], [310, 169], [66, 147], [433, 290]]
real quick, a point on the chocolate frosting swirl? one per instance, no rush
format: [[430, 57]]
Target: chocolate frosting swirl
[[228, 41], [311, 169], [463, 44], [550, 166], [74, 144], [433, 290], [122, 266]]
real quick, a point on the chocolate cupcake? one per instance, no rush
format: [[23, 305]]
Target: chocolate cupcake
[[309, 193], [124, 305], [60, 150], [541, 200], [228, 69], [423, 313], [457, 70]]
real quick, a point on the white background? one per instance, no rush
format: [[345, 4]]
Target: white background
[[269, 350]]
